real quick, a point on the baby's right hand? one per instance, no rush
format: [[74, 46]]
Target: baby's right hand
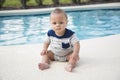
[[43, 52]]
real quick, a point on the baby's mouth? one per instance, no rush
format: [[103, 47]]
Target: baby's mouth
[[58, 29]]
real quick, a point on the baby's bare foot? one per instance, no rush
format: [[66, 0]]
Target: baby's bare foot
[[43, 66], [69, 68]]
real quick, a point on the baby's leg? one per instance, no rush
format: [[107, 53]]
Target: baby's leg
[[43, 66], [69, 67], [46, 61], [71, 64]]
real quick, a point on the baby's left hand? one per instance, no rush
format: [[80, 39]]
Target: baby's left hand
[[75, 56]]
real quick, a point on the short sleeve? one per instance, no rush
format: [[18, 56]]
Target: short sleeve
[[47, 38], [74, 39]]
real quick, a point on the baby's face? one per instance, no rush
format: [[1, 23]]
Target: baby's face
[[58, 22]]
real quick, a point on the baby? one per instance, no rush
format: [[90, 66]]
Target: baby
[[64, 44]]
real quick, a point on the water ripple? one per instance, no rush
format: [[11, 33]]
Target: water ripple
[[16, 30]]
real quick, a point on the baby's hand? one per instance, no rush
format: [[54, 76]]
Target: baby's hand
[[75, 57], [43, 52]]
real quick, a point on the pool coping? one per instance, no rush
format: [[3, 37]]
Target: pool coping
[[67, 8]]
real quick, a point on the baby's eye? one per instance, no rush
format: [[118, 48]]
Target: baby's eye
[[61, 22], [54, 23]]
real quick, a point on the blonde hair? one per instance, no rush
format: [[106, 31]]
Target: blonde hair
[[58, 11]]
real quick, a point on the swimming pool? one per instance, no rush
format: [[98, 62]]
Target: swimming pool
[[30, 29]]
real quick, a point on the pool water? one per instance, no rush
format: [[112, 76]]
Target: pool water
[[31, 29]]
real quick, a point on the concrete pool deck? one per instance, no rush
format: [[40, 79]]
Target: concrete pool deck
[[100, 60]]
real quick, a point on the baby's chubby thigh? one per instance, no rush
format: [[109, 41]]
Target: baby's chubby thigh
[[68, 56], [50, 54]]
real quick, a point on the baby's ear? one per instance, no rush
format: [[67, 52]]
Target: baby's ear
[[67, 21]]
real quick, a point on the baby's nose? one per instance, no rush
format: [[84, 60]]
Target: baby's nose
[[57, 25]]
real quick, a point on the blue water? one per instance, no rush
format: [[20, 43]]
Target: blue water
[[17, 30]]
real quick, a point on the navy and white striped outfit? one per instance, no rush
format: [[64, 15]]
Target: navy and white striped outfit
[[61, 45]]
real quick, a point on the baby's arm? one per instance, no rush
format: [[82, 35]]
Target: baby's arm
[[75, 54], [45, 47], [74, 57]]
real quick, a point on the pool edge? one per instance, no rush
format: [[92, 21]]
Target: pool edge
[[67, 8]]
